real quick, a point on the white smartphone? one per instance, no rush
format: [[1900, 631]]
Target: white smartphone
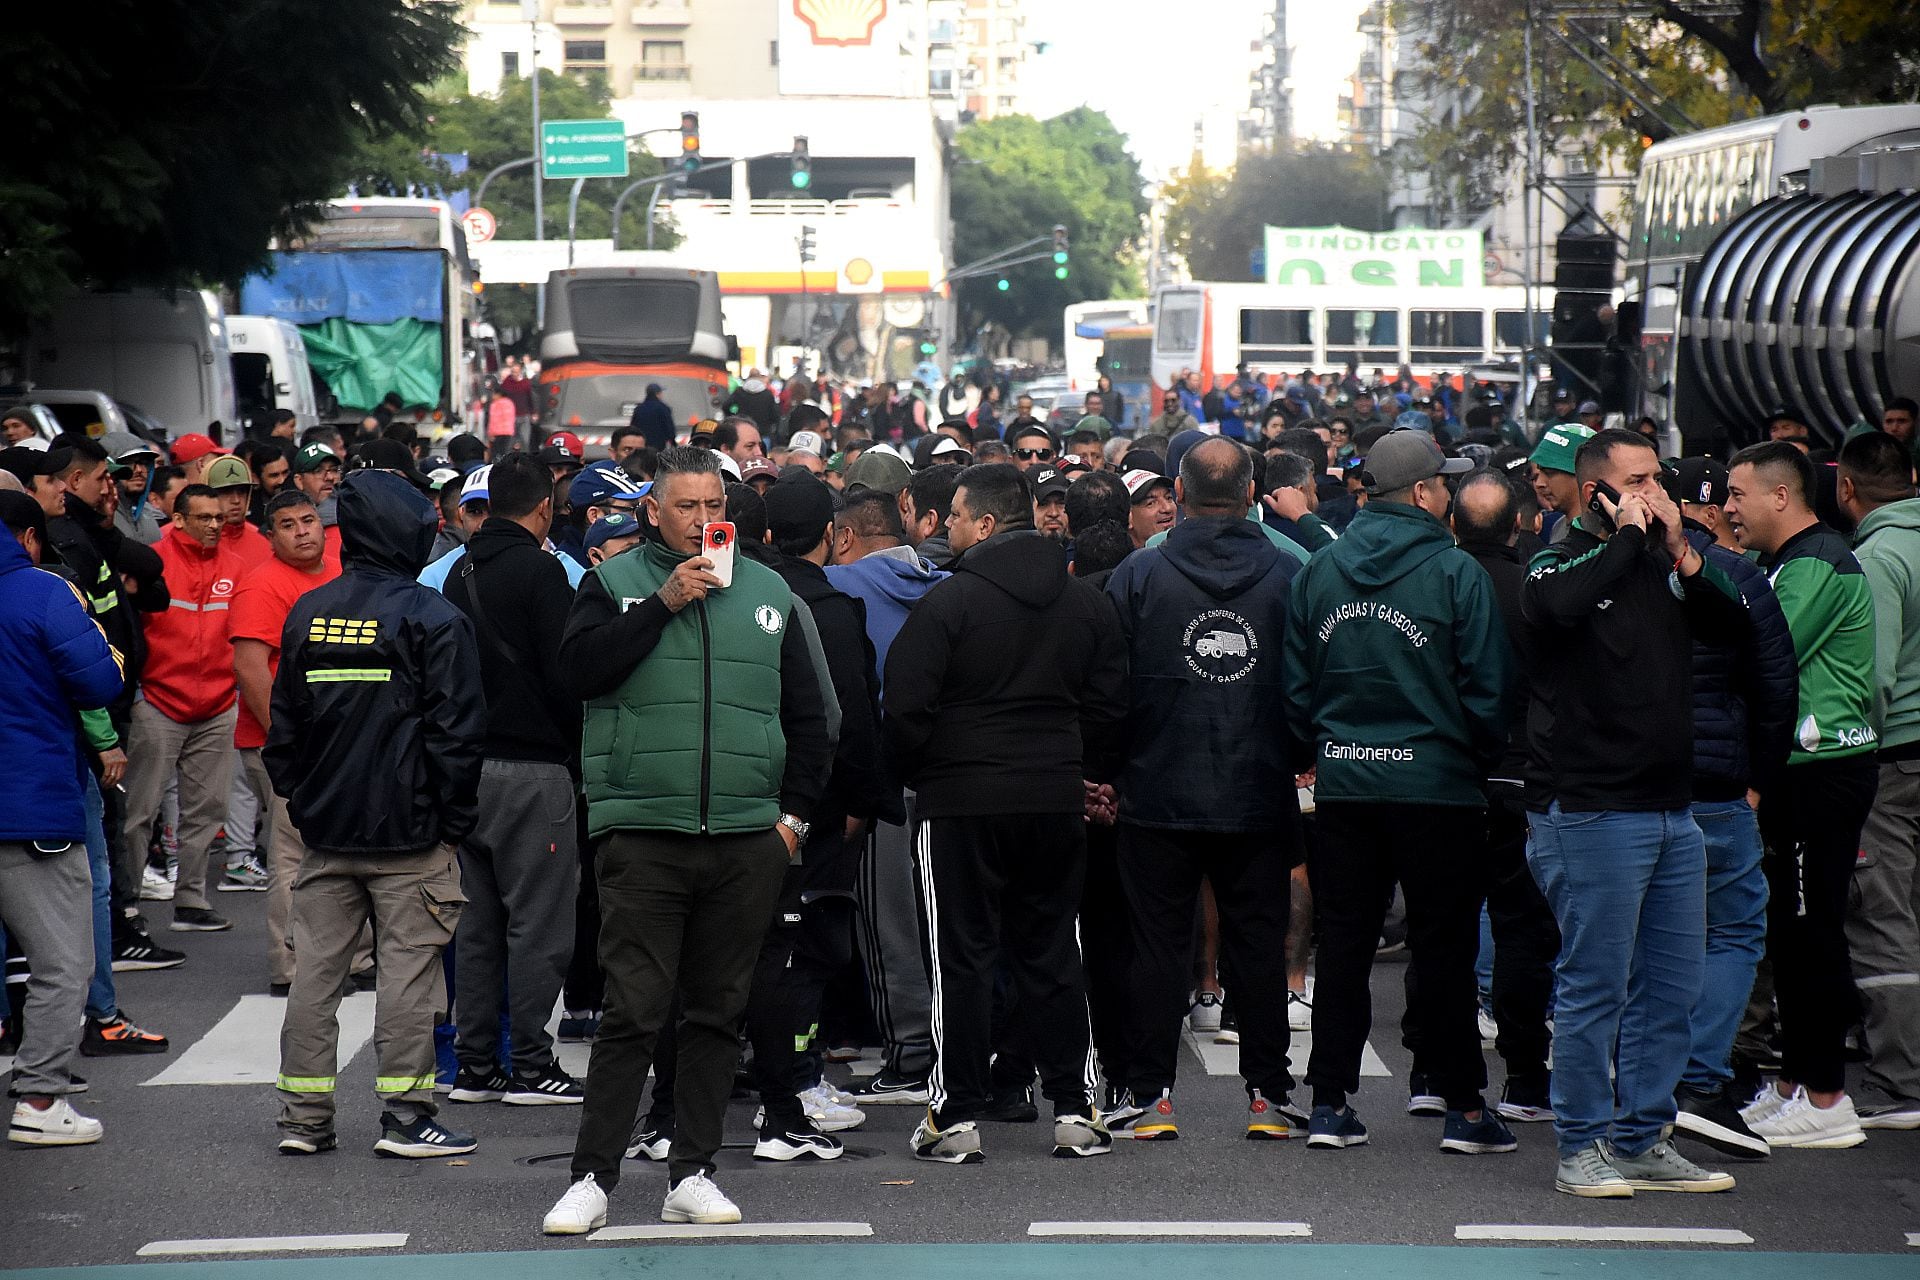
[[716, 543]]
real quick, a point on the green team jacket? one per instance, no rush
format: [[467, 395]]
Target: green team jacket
[[691, 740], [1829, 608], [1888, 546]]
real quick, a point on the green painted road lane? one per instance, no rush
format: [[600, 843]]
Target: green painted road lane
[[1032, 1262]]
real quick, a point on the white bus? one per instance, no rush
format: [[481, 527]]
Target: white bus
[[1692, 186], [1210, 329], [1086, 324]]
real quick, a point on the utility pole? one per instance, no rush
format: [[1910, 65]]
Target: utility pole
[[530, 10]]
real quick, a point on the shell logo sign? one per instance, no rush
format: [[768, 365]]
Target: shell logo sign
[[841, 22]]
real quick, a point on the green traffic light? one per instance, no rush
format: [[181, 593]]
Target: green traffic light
[[1059, 273], [802, 179], [1003, 286], [1060, 256], [927, 348]]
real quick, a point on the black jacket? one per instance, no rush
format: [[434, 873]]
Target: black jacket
[[1204, 615], [1006, 686], [1502, 564], [1745, 693], [523, 598], [1611, 680], [379, 722], [761, 406], [857, 786], [97, 554]]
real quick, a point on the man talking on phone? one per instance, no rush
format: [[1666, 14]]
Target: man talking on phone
[[704, 752]]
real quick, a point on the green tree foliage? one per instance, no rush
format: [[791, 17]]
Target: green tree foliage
[[1015, 178], [165, 142], [1215, 221]]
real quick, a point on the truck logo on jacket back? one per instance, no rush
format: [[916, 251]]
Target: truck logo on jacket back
[[1221, 646]]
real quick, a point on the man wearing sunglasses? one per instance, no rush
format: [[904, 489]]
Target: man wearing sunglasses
[[1033, 447]]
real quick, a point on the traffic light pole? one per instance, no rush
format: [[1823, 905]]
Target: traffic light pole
[[621, 201]]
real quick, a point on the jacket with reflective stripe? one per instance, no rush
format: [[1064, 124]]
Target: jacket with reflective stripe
[[189, 672]]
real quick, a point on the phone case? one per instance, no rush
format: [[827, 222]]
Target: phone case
[[716, 542]]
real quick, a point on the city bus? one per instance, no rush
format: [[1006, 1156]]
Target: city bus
[[1692, 186], [1085, 325], [612, 330], [381, 290], [1126, 356], [1211, 329]]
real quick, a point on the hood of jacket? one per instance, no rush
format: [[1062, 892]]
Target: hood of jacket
[[1904, 515], [1222, 555], [937, 551], [1028, 567], [385, 523], [1386, 542], [1178, 446], [891, 576]]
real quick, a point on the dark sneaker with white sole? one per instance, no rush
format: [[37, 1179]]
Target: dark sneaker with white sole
[[1528, 1101], [1488, 1135], [199, 920], [1714, 1118], [1421, 1099], [551, 1088], [307, 1144], [1882, 1111], [104, 1036], [480, 1086], [795, 1139], [135, 952], [424, 1139], [653, 1140], [887, 1087], [1332, 1129]]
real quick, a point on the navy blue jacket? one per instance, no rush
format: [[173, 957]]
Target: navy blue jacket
[[53, 660], [1744, 694], [1204, 615]]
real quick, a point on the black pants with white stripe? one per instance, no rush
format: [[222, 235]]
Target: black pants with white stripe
[[1006, 886]]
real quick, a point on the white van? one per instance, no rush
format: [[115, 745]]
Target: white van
[[270, 368], [163, 352]]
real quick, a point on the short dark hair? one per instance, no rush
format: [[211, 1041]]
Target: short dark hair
[[402, 430], [1100, 546], [1094, 497], [1879, 466], [466, 447], [992, 449], [1286, 470], [747, 512], [640, 464], [1305, 442], [727, 434], [621, 433], [685, 460], [283, 415], [1215, 475], [517, 485], [1480, 522], [322, 434], [1906, 403], [871, 513], [21, 512], [1020, 427], [281, 501], [1595, 453], [162, 477], [932, 490], [191, 492], [1773, 456], [1000, 490], [87, 451]]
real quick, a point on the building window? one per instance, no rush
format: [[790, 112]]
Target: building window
[[663, 60], [940, 83], [586, 51], [510, 66]]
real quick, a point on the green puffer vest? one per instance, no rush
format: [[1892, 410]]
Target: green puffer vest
[[691, 740]]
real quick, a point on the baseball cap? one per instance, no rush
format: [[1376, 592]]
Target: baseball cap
[[1699, 480], [1140, 480], [608, 527], [1074, 462], [561, 448], [1025, 429], [808, 440], [475, 487], [800, 506], [1092, 424], [1563, 393], [598, 485], [26, 462], [1401, 458], [124, 446], [1046, 480], [1558, 445], [878, 469], [228, 473], [389, 455], [193, 446], [1588, 406], [727, 465], [758, 469], [312, 457]]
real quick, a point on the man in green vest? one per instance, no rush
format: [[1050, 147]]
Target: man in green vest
[[703, 752]]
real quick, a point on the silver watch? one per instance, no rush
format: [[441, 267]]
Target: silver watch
[[800, 829]]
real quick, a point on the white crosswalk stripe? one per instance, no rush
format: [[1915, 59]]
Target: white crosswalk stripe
[[1224, 1059]]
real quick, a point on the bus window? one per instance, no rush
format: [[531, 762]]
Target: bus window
[[1449, 336], [1363, 336], [1510, 328], [1178, 327], [1276, 335]]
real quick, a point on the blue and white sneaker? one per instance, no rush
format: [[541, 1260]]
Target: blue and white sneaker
[[424, 1139], [1488, 1135], [1335, 1129]]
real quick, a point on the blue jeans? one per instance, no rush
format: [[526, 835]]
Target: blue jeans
[[1629, 891], [1736, 937], [101, 1000]]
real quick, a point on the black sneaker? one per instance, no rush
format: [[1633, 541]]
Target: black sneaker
[[1715, 1120], [887, 1087], [1011, 1106], [579, 1026], [551, 1088], [480, 1086], [1528, 1101], [653, 1140], [424, 1139], [793, 1139], [133, 952], [1421, 1099], [118, 1034], [199, 920], [307, 1144]]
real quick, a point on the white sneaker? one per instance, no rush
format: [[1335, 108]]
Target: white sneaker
[[1489, 1029], [827, 1094], [58, 1126], [1204, 1016], [1300, 1009], [827, 1115], [696, 1199], [154, 886], [582, 1209], [1764, 1104], [1798, 1123]]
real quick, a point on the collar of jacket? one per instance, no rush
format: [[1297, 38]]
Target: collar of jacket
[[190, 545]]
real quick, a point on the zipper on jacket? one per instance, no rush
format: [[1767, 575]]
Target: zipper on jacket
[[706, 714]]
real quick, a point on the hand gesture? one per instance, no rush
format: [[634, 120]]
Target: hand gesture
[[1288, 502], [690, 581]]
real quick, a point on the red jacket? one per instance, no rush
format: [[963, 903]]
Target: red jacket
[[189, 671], [246, 542]]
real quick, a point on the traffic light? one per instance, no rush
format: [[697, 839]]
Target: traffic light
[[689, 141], [928, 346], [801, 172], [1059, 253], [806, 244], [1002, 284]]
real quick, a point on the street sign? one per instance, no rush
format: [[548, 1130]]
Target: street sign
[[583, 148], [478, 224]]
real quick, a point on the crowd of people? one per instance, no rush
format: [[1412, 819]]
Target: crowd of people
[[1051, 742]]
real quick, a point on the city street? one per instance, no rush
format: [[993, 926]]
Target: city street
[[187, 1169]]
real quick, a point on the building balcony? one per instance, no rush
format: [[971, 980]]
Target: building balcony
[[660, 13], [655, 71], [583, 15]]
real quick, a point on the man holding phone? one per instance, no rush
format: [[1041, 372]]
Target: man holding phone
[[704, 752]]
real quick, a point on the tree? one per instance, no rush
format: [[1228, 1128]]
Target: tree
[[165, 142], [1216, 221], [1015, 178]]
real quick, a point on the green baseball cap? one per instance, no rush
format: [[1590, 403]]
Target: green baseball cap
[[1094, 423], [1558, 445], [312, 457], [878, 469], [228, 472]]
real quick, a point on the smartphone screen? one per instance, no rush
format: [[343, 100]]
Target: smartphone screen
[[716, 544]]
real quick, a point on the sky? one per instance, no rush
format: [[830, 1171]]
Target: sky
[[1154, 77]]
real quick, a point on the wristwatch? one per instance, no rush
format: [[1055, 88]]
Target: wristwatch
[[799, 828]]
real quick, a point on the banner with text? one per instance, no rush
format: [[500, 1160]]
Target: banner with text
[[1408, 257]]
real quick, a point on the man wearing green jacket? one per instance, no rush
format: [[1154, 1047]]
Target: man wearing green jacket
[[1876, 490], [1812, 818], [1396, 663], [703, 752]]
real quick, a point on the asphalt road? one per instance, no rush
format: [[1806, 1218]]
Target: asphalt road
[[197, 1162]]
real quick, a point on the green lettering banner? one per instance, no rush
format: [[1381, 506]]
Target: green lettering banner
[[1408, 257]]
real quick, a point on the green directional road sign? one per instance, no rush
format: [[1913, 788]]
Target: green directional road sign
[[583, 148]]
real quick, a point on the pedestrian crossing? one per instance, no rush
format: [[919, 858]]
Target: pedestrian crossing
[[1224, 1059]]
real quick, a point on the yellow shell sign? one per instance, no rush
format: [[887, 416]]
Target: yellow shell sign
[[841, 22]]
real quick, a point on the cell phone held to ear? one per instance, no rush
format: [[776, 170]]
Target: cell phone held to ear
[[1612, 495], [716, 544]]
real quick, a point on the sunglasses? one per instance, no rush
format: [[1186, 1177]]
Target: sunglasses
[[1034, 455]]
